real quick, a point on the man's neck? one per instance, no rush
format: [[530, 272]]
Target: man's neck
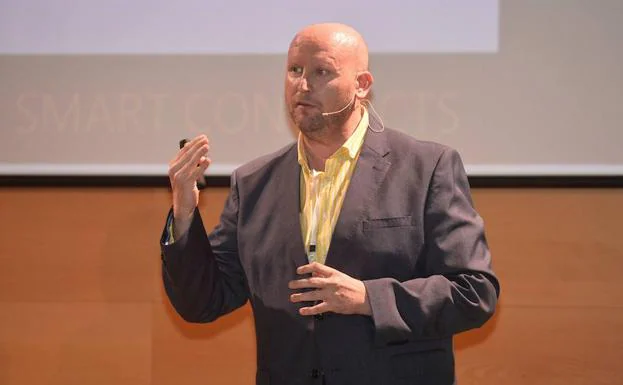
[[319, 148]]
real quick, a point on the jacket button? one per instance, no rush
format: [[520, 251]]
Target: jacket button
[[315, 373], [319, 317]]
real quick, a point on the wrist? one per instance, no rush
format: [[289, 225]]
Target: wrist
[[182, 214], [364, 307], [181, 223]]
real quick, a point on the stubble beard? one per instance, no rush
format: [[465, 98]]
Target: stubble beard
[[311, 124], [317, 124]]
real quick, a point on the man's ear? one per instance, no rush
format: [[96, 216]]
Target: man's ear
[[364, 84]]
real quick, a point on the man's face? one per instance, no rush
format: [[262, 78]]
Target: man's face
[[319, 78]]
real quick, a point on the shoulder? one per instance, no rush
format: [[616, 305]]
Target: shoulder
[[266, 162], [405, 146]]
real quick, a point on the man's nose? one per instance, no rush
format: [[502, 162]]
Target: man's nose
[[303, 84]]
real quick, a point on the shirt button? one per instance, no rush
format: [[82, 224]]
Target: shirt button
[[315, 373]]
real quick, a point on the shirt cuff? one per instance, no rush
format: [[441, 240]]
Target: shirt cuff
[[169, 231]]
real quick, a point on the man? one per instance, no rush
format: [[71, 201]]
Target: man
[[357, 246]]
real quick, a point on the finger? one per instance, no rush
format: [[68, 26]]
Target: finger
[[308, 296], [190, 166], [204, 163], [185, 170], [183, 142], [190, 147], [320, 308], [188, 144], [306, 283], [196, 142], [316, 268], [186, 154]]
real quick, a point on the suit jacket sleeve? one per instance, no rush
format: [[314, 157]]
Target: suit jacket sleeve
[[202, 274], [459, 290]]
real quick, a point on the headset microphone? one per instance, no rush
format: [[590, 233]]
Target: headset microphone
[[341, 109]]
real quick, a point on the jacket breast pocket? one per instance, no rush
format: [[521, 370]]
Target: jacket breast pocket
[[382, 223], [391, 246]]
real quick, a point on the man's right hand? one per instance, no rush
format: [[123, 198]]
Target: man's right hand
[[184, 170]]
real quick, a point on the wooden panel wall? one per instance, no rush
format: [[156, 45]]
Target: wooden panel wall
[[81, 300]]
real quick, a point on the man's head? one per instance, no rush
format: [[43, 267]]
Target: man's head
[[327, 69]]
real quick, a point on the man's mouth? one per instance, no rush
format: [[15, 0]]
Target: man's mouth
[[304, 103]]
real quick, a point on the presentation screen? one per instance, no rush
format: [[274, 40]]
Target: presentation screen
[[110, 87]]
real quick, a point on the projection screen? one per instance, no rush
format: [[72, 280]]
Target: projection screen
[[94, 87]]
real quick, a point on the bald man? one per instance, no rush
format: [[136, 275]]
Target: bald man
[[358, 246]]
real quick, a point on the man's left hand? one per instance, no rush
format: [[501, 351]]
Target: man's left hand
[[334, 291]]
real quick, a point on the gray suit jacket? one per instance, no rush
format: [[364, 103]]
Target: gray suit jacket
[[407, 229]]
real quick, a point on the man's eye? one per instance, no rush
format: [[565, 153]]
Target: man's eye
[[322, 72], [296, 70]]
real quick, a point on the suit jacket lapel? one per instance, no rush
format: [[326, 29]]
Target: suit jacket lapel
[[368, 175], [288, 190]]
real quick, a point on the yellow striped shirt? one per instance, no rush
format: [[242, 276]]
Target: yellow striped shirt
[[327, 190]]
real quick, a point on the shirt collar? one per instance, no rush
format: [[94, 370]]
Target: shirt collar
[[351, 146]]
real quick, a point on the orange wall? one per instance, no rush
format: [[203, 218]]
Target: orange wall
[[82, 301]]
